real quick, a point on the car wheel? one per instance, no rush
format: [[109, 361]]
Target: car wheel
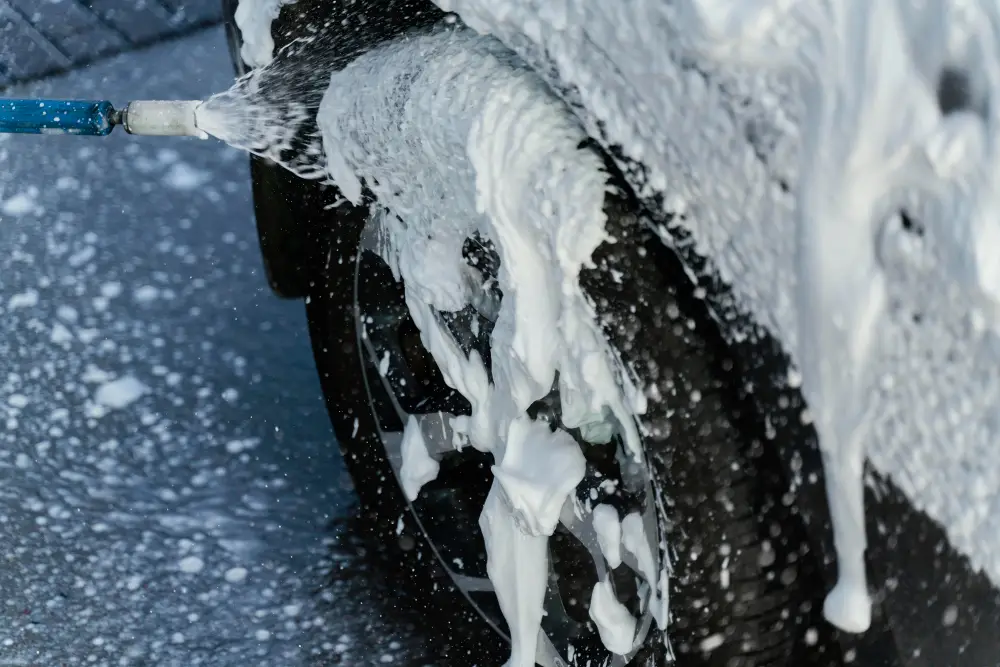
[[710, 498]]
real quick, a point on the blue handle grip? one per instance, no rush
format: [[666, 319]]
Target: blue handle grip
[[81, 117]]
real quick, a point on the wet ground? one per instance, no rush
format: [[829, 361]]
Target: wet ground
[[41, 37], [172, 493]]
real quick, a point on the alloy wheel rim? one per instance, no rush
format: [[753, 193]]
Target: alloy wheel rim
[[402, 382]]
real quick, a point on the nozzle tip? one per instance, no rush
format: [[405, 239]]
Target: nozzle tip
[[163, 118]]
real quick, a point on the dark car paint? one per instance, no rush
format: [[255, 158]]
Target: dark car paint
[[915, 573]]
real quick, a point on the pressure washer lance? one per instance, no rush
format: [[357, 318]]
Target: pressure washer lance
[[163, 118]]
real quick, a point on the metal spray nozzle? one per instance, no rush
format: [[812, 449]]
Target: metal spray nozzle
[[163, 118]]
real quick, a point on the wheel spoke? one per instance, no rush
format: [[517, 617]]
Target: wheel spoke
[[406, 383], [582, 528], [472, 584], [546, 654]]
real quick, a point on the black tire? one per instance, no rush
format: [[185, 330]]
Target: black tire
[[708, 452], [726, 489]]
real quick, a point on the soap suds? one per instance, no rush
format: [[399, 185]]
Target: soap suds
[[712, 642], [60, 334], [254, 19], [609, 534], [539, 469], [614, 622], [787, 134], [20, 204], [191, 565], [457, 115], [787, 158], [25, 299], [235, 575], [120, 393], [146, 294], [81, 257], [111, 290], [182, 176], [18, 401], [418, 467], [518, 568]]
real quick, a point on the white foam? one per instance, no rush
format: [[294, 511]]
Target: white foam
[[235, 575], [17, 401], [191, 565], [25, 299], [254, 19], [60, 334], [518, 568], [608, 527], [711, 642], [455, 115], [615, 624], [418, 467], [539, 469], [183, 176], [836, 99], [120, 393], [67, 313], [20, 204], [112, 289], [146, 294], [82, 256]]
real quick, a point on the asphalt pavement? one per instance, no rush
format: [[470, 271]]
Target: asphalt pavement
[[41, 37], [170, 489]]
